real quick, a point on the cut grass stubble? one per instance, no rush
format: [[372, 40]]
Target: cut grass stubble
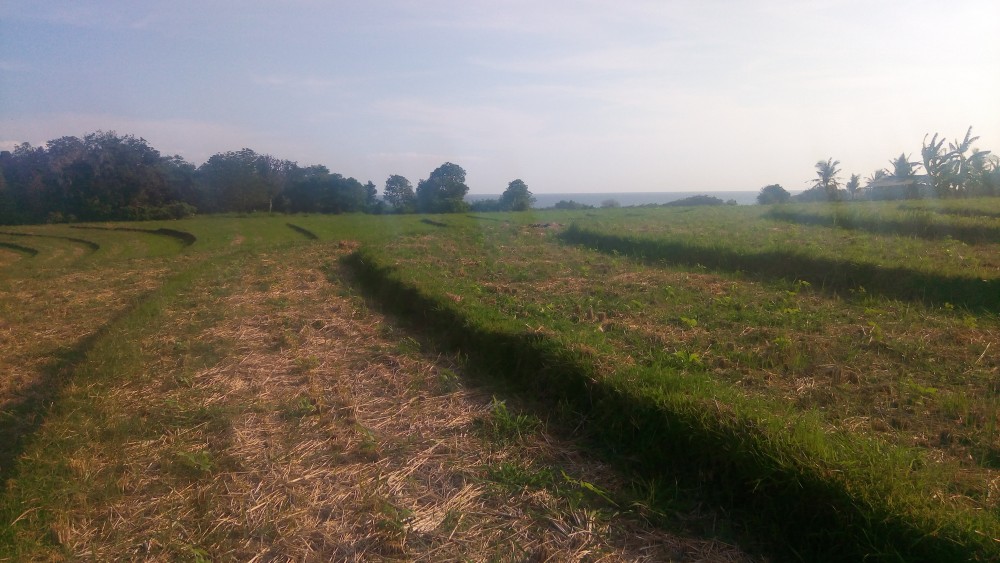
[[827, 494]]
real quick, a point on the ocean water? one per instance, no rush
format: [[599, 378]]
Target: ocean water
[[626, 198]]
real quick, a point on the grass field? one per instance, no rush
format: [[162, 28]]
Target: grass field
[[807, 382]]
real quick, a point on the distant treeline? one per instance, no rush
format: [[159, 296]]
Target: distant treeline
[[107, 177]]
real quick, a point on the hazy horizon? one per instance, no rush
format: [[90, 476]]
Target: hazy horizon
[[571, 97]]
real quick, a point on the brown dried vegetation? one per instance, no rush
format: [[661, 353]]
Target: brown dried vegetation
[[44, 317], [288, 422]]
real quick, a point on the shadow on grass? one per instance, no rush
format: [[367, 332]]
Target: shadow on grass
[[93, 246], [797, 512], [303, 231], [828, 274], [919, 225], [19, 248], [24, 415], [186, 239], [427, 221]]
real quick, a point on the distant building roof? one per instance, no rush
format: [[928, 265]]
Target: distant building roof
[[894, 182], [890, 187]]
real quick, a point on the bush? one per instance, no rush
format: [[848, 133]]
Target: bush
[[773, 193], [696, 200], [572, 205]]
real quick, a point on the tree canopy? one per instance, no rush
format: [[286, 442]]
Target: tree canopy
[[773, 193], [100, 177], [516, 197], [104, 176], [109, 177], [828, 177], [398, 193], [443, 191]]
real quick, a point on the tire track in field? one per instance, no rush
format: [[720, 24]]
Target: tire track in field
[[48, 326]]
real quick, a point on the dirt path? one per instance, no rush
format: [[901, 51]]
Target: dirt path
[[286, 421]]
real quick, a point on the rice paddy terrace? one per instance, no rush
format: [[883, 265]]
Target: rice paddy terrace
[[809, 382]]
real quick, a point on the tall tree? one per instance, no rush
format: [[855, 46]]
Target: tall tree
[[318, 191], [27, 172], [827, 177], [117, 177], [398, 193], [773, 193], [984, 174], [244, 181], [903, 168], [443, 191], [950, 171], [371, 194], [853, 184], [936, 163], [905, 172], [516, 197]]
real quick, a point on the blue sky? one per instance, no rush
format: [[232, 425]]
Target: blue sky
[[570, 96]]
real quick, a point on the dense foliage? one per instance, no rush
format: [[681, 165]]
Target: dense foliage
[[444, 191], [102, 176], [109, 177], [773, 193]]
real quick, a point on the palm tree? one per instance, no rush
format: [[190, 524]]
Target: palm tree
[[950, 171], [875, 177], [853, 184], [983, 167], [827, 177], [906, 172], [937, 163], [902, 168], [962, 166]]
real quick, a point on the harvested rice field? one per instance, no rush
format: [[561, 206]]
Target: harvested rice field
[[737, 384]]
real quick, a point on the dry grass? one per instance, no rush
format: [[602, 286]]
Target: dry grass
[[320, 435], [43, 316], [8, 257]]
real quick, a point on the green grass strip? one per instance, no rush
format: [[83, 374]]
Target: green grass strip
[[830, 274], [74, 419], [804, 493], [916, 223], [19, 248]]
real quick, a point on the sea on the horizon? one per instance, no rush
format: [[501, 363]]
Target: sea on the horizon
[[625, 199]]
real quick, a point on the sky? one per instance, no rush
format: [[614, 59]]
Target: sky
[[567, 95]]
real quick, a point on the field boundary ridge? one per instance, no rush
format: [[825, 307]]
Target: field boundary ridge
[[801, 504]]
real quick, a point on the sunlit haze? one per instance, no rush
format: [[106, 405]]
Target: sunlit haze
[[580, 96]]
